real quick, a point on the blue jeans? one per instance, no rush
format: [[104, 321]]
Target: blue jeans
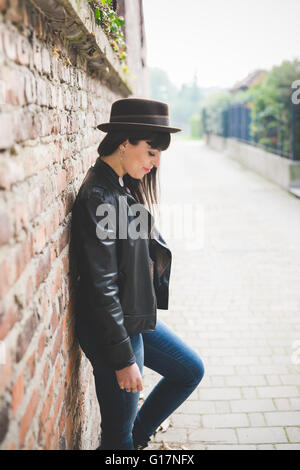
[[123, 427]]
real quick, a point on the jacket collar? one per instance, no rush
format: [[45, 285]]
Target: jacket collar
[[109, 173]]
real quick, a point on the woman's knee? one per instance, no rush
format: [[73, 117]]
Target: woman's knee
[[198, 371]]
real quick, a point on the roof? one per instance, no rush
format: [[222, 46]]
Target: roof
[[248, 81]]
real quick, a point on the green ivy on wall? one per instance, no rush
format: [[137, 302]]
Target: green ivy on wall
[[111, 23]]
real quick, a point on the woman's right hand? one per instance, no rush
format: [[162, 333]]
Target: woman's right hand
[[130, 378]]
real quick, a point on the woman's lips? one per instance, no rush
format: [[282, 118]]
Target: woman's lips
[[147, 169]]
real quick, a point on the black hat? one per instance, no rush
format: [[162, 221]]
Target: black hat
[[138, 113]]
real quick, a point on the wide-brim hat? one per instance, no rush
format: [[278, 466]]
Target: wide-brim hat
[[138, 113]]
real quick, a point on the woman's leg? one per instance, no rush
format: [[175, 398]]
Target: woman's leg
[[118, 408], [182, 370]]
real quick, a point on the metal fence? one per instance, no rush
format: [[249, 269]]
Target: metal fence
[[236, 123]]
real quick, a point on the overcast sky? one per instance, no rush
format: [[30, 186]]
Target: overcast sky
[[220, 40]]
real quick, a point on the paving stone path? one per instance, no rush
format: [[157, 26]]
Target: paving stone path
[[235, 298]]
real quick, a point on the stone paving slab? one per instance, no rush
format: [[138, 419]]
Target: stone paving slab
[[236, 300]]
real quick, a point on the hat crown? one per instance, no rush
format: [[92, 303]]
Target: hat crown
[[140, 113], [133, 106]]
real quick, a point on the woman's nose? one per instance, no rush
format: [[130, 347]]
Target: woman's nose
[[156, 161]]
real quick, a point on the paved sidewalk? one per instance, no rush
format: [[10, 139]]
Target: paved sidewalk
[[236, 301]]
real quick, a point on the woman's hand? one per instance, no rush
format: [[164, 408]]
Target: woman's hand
[[130, 378]]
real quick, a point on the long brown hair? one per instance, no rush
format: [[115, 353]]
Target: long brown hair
[[145, 190]]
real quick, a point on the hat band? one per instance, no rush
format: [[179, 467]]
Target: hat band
[[142, 118]]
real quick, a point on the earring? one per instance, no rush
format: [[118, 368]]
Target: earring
[[122, 153]]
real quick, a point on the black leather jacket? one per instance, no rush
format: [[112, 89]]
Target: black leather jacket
[[116, 294]]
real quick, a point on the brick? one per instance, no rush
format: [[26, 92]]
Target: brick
[[7, 137], [266, 446], [8, 317], [46, 61], [13, 83], [290, 379], [213, 435], [62, 420], [249, 393], [23, 254], [54, 318], [9, 44], [57, 345], [25, 336], [41, 344], [43, 267], [10, 173], [274, 380], [226, 420], [39, 238], [31, 366], [53, 67], [23, 51], [282, 404], [245, 381], [45, 411], [21, 214], [30, 88], [267, 369], [223, 447], [185, 420], [6, 277], [278, 392], [288, 447], [15, 12], [68, 430], [37, 56], [251, 405], [5, 226], [219, 393], [17, 393], [65, 261], [24, 128], [283, 418], [4, 421], [57, 371], [293, 434], [61, 181], [256, 419], [28, 416], [222, 406], [226, 370], [261, 435], [34, 202], [173, 435], [295, 403], [42, 91], [3, 5]]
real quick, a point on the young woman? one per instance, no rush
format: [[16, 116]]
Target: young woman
[[124, 267]]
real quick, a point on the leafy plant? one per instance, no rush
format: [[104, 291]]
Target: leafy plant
[[212, 118], [111, 23], [271, 106], [270, 103]]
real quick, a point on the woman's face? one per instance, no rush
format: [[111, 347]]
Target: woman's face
[[139, 159]]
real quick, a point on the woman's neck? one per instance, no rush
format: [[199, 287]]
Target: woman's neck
[[115, 163]]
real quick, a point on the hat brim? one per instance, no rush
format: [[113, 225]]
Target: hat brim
[[106, 127]]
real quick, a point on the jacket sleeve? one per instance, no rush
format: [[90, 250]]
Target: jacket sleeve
[[100, 270]]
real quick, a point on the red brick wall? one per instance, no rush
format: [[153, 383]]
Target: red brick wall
[[48, 140]]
